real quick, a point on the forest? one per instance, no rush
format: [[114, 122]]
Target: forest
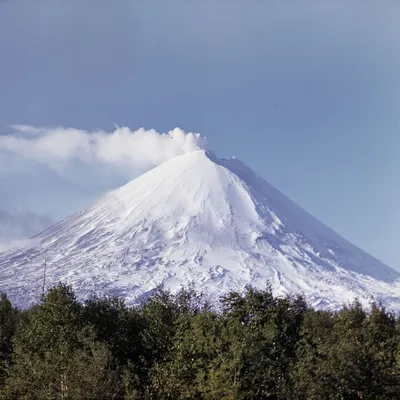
[[252, 345]]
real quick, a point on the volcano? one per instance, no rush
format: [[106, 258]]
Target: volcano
[[197, 220]]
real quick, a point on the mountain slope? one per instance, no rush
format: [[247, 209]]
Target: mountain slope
[[203, 221]]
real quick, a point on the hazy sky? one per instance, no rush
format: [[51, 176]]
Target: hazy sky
[[305, 92]]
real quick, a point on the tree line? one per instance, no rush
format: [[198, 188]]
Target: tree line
[[254, 345]]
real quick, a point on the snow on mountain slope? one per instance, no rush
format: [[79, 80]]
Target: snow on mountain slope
[[198, 220]]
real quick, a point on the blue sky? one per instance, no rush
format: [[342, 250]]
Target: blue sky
[[305, 92]]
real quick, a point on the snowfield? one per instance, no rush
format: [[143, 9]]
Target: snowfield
[[198, 220]]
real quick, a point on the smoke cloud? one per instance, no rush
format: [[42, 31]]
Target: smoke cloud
[[16, 228], [123, 148]]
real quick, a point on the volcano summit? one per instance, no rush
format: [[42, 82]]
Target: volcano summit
[[198, 220]]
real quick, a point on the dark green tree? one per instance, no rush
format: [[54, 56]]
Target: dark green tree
[[56, 356], [9, 317], [267, 329], [118, 326]]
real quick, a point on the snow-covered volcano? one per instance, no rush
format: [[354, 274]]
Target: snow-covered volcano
[[198, 220]]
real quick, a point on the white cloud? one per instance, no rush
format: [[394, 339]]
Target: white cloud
[[128, 150], [17, 228]]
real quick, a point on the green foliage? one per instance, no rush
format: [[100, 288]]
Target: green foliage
[[116, 325], [83, 372], [52, 323], [254, 346], [8, 328], [266, 331], [348, 355]]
